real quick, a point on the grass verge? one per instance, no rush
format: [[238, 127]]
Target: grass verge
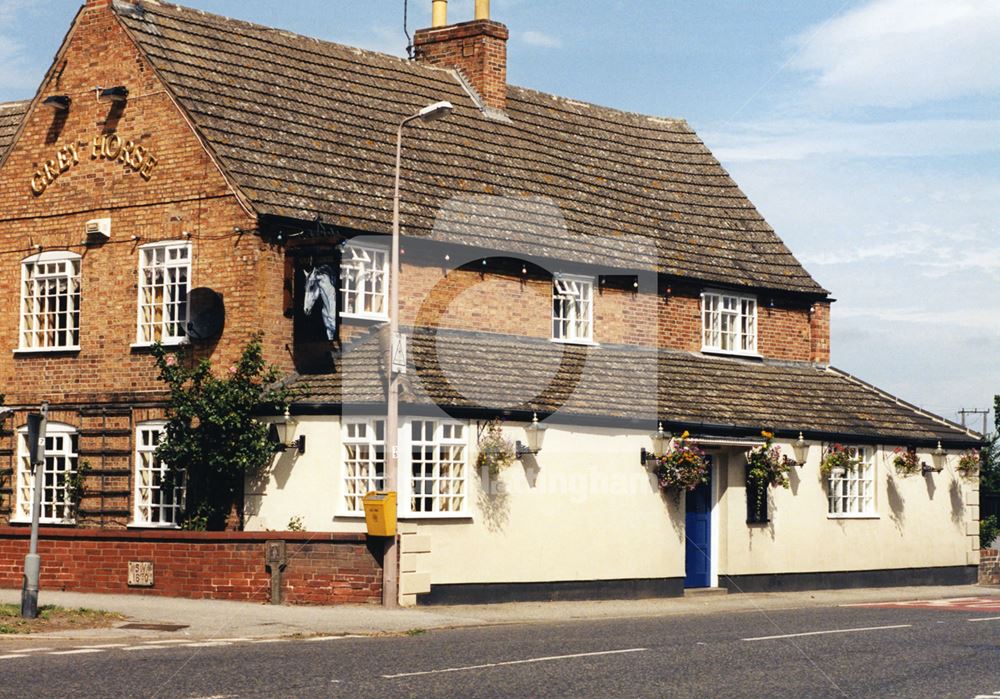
[[53, 618]]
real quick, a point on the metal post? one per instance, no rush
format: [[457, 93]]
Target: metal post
[[32, 561], [390, 562]]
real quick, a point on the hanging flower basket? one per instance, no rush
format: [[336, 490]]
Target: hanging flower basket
[[836, 460], [766, 463], [495, 451], [968, 464], [766, 466], [906, 461], [683, 467]]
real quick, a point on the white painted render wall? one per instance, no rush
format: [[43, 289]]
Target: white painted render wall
[[585, 509]]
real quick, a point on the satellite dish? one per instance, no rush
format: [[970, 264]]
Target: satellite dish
[[207, 313]]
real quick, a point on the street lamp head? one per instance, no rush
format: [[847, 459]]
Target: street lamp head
[[433, 112]]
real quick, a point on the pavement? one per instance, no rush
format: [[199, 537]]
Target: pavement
[[214, 619], [800, 645]]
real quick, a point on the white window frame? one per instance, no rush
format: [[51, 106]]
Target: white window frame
[[569, 294], [359, 276], [34, 323], [359, 472], [146, 461], [742, 334], [439, 441], [853, 495], [56, 461], [147, 333]]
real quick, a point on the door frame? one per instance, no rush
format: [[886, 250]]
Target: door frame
[[713, 517]]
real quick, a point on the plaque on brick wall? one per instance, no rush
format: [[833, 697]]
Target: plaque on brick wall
[[140, 573]]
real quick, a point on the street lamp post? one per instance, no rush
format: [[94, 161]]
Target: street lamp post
[[390, 562]]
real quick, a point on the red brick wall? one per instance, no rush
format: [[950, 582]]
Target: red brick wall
[[502, 299], [322, 568], [989, 567], [477, 48], [96, 388], [819, 326], [184, 194]]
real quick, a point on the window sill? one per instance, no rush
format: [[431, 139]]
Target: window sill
[[141, 525], [45, 522], [585, 343], [731, 353], [423, 516], [367, 317], [46, 350], [848, 515], [168, 343]]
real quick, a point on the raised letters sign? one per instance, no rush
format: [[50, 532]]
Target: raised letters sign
[[106, 147], [140, 573]]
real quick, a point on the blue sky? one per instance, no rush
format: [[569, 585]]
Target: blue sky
[[866, 131]]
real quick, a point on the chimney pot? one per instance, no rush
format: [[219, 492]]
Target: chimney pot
[[477, 48], [439, 13]]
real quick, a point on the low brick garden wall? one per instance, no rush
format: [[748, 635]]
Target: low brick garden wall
[[321, 568], [989, 567]]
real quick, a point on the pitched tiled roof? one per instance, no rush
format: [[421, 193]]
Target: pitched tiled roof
[[307, 128], [461, 370], [11, 114]]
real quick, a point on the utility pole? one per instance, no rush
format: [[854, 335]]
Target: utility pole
[[963, 412], [33, 562]]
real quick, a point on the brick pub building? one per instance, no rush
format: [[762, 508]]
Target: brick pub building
[[595, 269]]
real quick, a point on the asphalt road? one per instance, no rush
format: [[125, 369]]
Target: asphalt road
[[903, 652]]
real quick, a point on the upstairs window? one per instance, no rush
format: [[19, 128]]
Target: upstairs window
[[851, 491], [57, 504], [729, 323], [364, 461], [50, 302], [159, 491], [364, 281], [573, 309], [164, 284]]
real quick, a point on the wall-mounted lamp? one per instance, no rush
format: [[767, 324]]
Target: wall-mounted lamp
[[535, 433], [117, 94], [938, 457], [279, 431], [659, 439], [801, 448], [57, 103]]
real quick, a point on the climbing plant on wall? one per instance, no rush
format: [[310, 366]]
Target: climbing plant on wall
[[213, 438]]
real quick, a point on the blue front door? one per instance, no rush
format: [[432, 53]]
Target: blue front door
[[698, 536]]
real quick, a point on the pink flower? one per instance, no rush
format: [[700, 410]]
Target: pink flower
[[232, 369], [171, 360]]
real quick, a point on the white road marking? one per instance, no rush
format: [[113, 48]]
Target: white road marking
[[820, 633], [106, 645], [269, 640], [78, 651], [515, 662], [207, 644], [989, 618], [170, 640], [12, 656], [33, 650], [330, 638], [149, 647]]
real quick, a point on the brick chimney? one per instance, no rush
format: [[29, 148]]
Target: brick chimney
[[477, 48]]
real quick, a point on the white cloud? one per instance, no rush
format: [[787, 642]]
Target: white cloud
[[536, 38], [904, 52], [795, 139]]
